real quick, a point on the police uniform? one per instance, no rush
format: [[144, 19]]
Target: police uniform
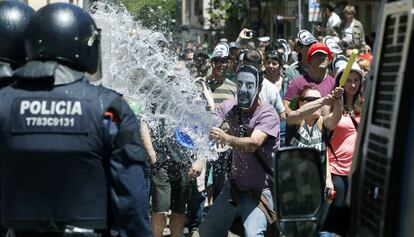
[[64, 162], [72, 163], [14, 18]]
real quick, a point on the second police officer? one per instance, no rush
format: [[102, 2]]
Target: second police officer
[[14, 18], [72, 163]]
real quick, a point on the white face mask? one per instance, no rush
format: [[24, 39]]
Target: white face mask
[[247, 89]]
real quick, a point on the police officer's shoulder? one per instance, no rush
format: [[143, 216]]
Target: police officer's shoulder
[[115, 99], [106, 90]]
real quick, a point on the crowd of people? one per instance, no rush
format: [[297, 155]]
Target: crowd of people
[[89, 180], [300, 80]]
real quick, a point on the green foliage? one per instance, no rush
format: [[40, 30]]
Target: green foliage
[[159, 15], [228, 17]]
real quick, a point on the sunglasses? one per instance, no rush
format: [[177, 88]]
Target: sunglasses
[[310, 98], [222, 61]]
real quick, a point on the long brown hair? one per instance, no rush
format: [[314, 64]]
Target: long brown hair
[[357, 100]]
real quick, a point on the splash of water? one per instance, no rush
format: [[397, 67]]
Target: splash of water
[[137, 63]]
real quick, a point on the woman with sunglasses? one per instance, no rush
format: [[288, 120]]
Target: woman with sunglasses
[[341, 146], [305, 125]]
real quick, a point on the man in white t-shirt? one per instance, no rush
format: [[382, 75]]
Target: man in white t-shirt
[[333, 19]]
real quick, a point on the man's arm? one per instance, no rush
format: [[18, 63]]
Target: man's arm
[[146, 141], [280, 107], [247, 144]]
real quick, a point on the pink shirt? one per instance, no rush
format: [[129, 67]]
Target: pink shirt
[[343, 143]]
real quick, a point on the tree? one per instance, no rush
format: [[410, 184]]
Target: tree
[[158, 15], [228, 17]]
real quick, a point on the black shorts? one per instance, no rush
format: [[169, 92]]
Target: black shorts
[[169, 188]]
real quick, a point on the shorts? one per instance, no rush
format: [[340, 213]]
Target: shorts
[[169, 188]]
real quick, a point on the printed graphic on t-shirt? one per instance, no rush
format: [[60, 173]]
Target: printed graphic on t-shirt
[[308, 138]]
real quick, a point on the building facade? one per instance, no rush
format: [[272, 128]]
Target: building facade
[[36, 4], [194, 18], [280, 18]]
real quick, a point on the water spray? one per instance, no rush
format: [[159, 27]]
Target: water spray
[[139, 64]]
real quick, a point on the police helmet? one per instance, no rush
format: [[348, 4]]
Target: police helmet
[[14, 18], [64, 33]]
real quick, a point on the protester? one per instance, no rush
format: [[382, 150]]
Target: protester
[[222, 89], [286, 50], [254, 136], [318, 59], [305, 125], [352, 30], [197, 190], [269, 92], [332, 44], [274, 70], [83, 171], [342, 146], [201, 63], [364, 62], [274, 74], [170, 178], [189, 60], [262, 43], [293, 56], [234, 60], [333, 19], [305, 41]]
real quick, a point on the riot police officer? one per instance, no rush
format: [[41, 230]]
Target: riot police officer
[[14, 18], [72, 159]]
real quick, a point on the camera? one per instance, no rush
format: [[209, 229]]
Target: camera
[[249, 33]]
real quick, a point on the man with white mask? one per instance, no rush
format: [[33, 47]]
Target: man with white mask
[[254, 136]]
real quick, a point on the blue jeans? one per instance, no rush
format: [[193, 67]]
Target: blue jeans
[[222, 214]]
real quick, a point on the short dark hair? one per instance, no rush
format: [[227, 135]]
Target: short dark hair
[[253, 57], [331, 6]]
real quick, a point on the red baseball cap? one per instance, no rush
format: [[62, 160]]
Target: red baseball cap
[[366, 56], [319, 48]]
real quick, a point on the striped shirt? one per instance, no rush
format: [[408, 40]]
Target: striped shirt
[[222, 92]]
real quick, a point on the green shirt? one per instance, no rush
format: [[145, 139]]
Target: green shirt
[[294, 71], [222, 92]]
